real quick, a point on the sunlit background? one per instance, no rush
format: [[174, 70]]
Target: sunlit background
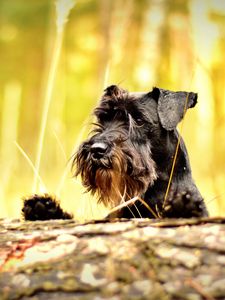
[[54, 64]]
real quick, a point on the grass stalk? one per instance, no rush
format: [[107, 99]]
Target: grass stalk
[[63, 8], [43, 188], [47, 101], [176, 152]]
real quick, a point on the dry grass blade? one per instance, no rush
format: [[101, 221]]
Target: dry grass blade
[[60, 145], [43, 188], [47, 101], [176, 153], [131, 202], [63, 8]]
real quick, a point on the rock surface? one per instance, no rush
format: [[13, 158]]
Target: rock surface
[[120, 259]]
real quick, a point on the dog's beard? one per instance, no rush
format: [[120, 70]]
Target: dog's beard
[[120, 177]]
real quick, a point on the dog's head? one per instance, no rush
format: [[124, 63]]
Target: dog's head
[[116, 161]]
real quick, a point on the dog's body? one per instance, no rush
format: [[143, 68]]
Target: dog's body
[[131, 154]]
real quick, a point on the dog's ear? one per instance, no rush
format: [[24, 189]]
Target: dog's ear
[[172, 106]]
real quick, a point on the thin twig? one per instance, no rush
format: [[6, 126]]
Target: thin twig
[[196, 286], [176, 153], [130, 202]]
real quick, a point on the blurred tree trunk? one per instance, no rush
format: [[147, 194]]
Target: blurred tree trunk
[[105, 24], [175, 46], [130, 259], [218, 89]]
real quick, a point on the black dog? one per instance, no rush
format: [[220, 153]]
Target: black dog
[[130, 154]]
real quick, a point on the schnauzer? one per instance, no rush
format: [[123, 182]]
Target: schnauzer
[[134, 152]]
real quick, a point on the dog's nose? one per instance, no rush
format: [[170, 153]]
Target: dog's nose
[[98, 149]]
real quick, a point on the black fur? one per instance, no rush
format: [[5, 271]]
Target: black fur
[[131, 151], [43, 207]]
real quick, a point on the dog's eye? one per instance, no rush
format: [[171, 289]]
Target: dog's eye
[[105, 116], [139, 121]]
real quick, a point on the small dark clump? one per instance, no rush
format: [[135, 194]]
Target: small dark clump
[[43, 207]]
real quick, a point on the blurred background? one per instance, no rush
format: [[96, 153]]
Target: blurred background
[[56, 59]]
